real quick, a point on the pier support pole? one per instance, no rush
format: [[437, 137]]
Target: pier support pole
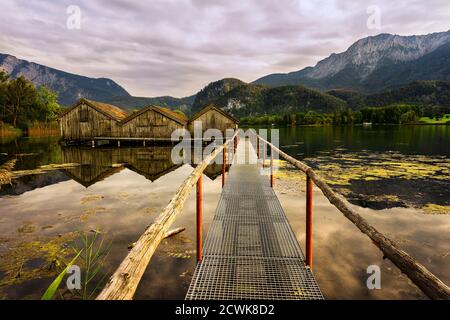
[[199, 219], [143, 143], [118, 143], [223, 165], [272, 179], [309, 189], [93, 143]]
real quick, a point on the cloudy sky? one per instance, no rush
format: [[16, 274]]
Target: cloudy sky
[[175, 47]]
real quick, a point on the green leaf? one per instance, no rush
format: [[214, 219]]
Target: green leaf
[[51, 290]]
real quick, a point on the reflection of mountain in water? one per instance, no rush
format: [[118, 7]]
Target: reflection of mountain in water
[[31, 182]]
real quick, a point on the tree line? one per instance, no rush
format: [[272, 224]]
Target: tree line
[[22, 104], [393, 114]]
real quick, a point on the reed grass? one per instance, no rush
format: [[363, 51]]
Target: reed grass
[[43, 129]]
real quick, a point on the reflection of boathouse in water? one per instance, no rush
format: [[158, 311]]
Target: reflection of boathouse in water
[[97, 164]]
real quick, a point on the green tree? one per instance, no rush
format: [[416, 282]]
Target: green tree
[[20, 95], [46, 107], [408, 117]]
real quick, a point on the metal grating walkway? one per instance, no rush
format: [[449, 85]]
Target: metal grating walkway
[[250, 251]]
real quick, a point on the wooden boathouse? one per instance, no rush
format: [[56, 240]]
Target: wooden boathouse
[[92, 121], [212, 117], [87, 119], [152, 122]]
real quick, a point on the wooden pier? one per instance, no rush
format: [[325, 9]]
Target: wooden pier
[[250, 251]]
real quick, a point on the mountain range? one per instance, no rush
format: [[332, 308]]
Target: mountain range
[[369, 66], [375, 63]]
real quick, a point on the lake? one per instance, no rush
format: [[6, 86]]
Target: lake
[[397, 177]]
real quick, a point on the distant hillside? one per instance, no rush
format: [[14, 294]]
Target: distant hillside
[[376, 63], [429, 93], [131, 103], [70, 87], [423, 93], [250, 100], [213, 91]]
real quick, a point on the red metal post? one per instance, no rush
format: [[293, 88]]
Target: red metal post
[[309, 188], [223, 165], [199, 219], [272, 181]]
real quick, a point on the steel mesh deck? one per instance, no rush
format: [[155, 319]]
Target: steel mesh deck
[[250, 251]]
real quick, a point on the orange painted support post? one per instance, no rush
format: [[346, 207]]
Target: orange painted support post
[[309, 188], [199, 219], [223, 165], [272, 181]]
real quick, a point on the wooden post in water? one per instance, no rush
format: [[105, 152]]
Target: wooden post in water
[[118, 143], [257, 146], [223, 165], [93, 143], [272, 181], [309, 221], [199, 219], [143, 143]]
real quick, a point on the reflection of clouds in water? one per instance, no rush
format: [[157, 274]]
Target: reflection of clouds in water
[[342, 253], [122, 220]]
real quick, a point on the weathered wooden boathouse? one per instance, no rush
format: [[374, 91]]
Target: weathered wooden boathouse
[[89, 120], [213, 117], [152, 122]]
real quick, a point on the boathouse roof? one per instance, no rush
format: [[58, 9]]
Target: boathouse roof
[[175, 116], [212, 107], [109, 110]]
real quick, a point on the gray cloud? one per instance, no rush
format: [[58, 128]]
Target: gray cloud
[[175, 47]]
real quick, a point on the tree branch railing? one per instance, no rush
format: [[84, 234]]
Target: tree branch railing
[[123, 283], [431, 286]]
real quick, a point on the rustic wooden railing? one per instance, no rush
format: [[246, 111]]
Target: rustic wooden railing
[[431, 286], [123, 283]]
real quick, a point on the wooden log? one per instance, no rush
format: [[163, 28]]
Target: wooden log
[[168, 234], [43, 169], [173, 232], [431, 286], [123, 283]]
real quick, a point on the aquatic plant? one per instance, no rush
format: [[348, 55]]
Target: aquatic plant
[[90, 255]]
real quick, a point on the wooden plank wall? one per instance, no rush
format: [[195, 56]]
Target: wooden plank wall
[[213, 119], [97, 125]]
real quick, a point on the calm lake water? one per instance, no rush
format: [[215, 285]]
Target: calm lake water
[[119, 192]]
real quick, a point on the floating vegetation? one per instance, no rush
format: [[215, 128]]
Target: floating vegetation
[[45, 253], [26, 227], [379, 180], [91, 198], [436, 209], [88, 213]]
